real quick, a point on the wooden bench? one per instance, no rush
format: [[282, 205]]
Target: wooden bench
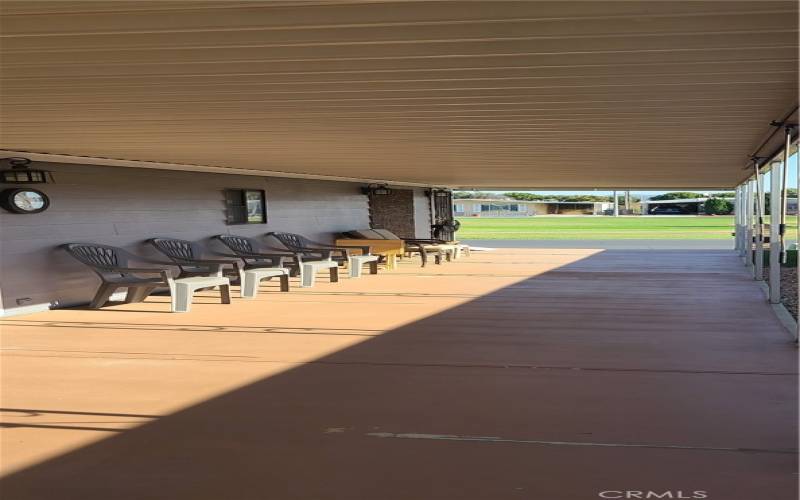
[[389, 249]]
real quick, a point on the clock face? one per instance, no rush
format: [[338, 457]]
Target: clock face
[[24, 201], [29, 201]]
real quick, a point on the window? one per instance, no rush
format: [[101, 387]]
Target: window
[[458, 208], [499, 207], [245, 206]]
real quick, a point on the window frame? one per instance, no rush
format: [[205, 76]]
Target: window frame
[[233, 216]]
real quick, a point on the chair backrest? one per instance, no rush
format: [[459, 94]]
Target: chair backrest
[[293, 242], [180, 251], [101, 258], [365, 234], [239, 244], [94, 255], [387, 234]]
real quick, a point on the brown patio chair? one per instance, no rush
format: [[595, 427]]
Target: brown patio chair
[[186, 256], [247, 249], [112, 265], [312, 250]]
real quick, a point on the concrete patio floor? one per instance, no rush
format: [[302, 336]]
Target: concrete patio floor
[[518, 373]]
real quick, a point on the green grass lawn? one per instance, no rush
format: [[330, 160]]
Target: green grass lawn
[[600, 228]]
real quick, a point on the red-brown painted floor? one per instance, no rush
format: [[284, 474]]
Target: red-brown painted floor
[[520, 373]]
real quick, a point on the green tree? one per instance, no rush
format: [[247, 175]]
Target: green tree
[[474, 195], [678, 195], [718, 206], [527, 196]]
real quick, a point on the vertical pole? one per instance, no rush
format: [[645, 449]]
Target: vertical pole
[[785, 191], [616, 204], [759, 256], [738, 214], [737, 220], [775, 202], [784, 194], [748, 222], [797, 152]]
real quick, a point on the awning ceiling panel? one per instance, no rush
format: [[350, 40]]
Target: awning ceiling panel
[[511, 94]]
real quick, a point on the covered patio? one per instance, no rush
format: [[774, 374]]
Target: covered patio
[[516, 373], [546, 373]]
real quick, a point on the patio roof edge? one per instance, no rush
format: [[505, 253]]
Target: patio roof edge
[[118, 162]]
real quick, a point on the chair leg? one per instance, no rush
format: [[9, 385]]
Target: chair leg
[[438, 258], [103, 294], [373, 267], [249, 287], [182, 300], [335, 274], [284, 282], [225, 293], [138, 294], [424, 255], [307, 276]]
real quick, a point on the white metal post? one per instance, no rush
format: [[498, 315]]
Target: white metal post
[[775, 202], [785, 194], [740, 210], [739, 227], [759, 224], [616, 204], [748, 222], [736, 219]]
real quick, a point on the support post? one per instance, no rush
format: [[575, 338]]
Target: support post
[[785, 192], [737, 220], [738, 210], [616, 204], [748, 222], [775, 202], [758, 270]]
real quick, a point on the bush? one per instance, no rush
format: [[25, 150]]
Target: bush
[[718, 206]]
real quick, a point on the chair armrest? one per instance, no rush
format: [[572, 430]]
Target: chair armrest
[[140, 270], [166, 274], [232, 262]]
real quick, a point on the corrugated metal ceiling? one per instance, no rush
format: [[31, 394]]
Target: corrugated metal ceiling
[[511, 94]]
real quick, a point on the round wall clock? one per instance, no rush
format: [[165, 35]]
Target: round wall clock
[[24, 201]]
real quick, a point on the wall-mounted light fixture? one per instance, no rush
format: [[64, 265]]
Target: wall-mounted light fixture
[[21, 173], [377, 190]]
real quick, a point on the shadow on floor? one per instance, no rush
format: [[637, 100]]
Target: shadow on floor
[[650, 374]]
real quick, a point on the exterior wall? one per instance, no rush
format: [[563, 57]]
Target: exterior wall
[[472, 208], [125, 206]]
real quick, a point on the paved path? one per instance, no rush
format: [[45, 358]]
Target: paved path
[[620, 244], [514, 374]]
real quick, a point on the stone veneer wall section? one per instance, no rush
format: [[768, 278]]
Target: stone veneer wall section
[[394, 212]]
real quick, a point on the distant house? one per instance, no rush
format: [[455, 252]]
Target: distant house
[[683, 206], [518, 208], [693, 206]]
